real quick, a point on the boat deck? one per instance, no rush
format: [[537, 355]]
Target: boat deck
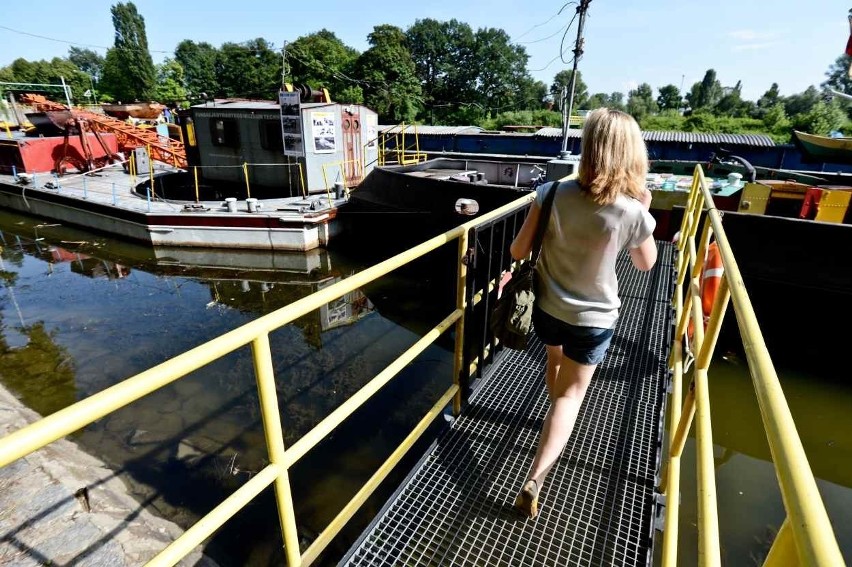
[[599, 503], [114, 188], [105, 201]]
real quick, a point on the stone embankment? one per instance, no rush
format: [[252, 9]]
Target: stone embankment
[[61, 506]]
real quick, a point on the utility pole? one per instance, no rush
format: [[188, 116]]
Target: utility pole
[[578, 52]]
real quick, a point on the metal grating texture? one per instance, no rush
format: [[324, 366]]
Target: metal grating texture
[[598, 504]]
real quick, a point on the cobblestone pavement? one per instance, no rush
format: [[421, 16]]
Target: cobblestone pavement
[[61, 506]]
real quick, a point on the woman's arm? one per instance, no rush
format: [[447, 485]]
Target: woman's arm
[[644, 256], [522, 245]]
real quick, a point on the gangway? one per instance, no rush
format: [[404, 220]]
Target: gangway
[[128, 136], [599, 502]]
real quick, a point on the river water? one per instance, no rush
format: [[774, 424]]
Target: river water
[[82, 312]]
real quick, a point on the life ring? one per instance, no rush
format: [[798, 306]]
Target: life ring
[[711, 279]]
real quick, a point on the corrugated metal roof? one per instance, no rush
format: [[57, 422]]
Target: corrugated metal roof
[[432, 130], [758, 140]]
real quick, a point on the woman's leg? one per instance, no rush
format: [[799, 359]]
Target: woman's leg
[[570, 388], [554, 360]]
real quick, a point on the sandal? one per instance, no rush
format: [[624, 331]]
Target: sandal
[[527, 499]]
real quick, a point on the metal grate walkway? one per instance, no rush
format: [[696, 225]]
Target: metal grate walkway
[[598, 504]]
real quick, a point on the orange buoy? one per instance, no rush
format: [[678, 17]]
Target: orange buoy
[[711, 279]]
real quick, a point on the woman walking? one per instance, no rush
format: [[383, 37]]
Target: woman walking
[[594, 217]]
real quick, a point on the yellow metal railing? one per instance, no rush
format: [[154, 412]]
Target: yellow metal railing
[[806, 536], [64, 422], [400, 153], [357, 166]]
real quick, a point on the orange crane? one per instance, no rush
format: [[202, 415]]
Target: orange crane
[[129, 137]]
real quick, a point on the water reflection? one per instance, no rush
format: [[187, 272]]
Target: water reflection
[[751, 509], [83, 312]]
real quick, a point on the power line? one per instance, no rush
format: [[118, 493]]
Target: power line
[[74, 42], [550, 19]]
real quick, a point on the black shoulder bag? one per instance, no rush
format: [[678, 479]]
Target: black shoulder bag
[[511, 319]]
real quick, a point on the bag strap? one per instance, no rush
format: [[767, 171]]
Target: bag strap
[[543, 219]]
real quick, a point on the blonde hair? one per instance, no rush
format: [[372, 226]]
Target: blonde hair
[[613, 156]]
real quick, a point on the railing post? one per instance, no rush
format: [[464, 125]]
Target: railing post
[[268, 397], [195, 175], [246, 175], [461, 304]]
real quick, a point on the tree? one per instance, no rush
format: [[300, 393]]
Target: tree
[[49, 72], [705, 94], [199, 68], [128, 72], [391, 87], [770, 98], [803, 102], [669, 98], [822, 119], [731, 103], [251, 69], [87, 61], [776, 122], [443, 55], [581, 91], [170, 81], [838, 76], [322, 60], [640, 101], [501, 71]]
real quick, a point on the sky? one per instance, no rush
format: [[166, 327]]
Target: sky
[[660, 42]]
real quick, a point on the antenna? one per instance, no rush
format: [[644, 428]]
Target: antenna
[[284, 64], [578, 52]]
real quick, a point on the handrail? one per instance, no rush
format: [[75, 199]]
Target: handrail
[[807, 528], [68, 420]]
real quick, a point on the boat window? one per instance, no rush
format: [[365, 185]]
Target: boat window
[[225, 132], [270, 135]]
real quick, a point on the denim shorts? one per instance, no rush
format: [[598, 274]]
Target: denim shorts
[[586, 345]]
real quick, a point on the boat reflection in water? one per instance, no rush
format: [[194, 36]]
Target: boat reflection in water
[[82, 312]]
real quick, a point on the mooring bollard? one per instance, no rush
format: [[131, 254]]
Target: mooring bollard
[[148, 196], [15, 172]]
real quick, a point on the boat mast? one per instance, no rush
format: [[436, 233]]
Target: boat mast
[[578, 52]]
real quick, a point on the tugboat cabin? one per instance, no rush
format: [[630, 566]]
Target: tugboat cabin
[[287, 149]]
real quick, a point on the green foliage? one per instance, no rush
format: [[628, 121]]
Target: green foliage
[[669, 98], [322, 60], [776, 122], [581, 91], [640, 101], [821, 119], [803, 102], [87, 61], [49, 72], [538, 118], [705, 94], [199, 66], [444, 61], [838, 75], [170, 81], [251, 69], [391, 85], [666, 121], [128, 70]]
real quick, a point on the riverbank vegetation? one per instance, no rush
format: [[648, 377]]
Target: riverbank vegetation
[[433, 72]]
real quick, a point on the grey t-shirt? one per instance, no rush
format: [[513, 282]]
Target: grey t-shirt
[[576, 269]]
